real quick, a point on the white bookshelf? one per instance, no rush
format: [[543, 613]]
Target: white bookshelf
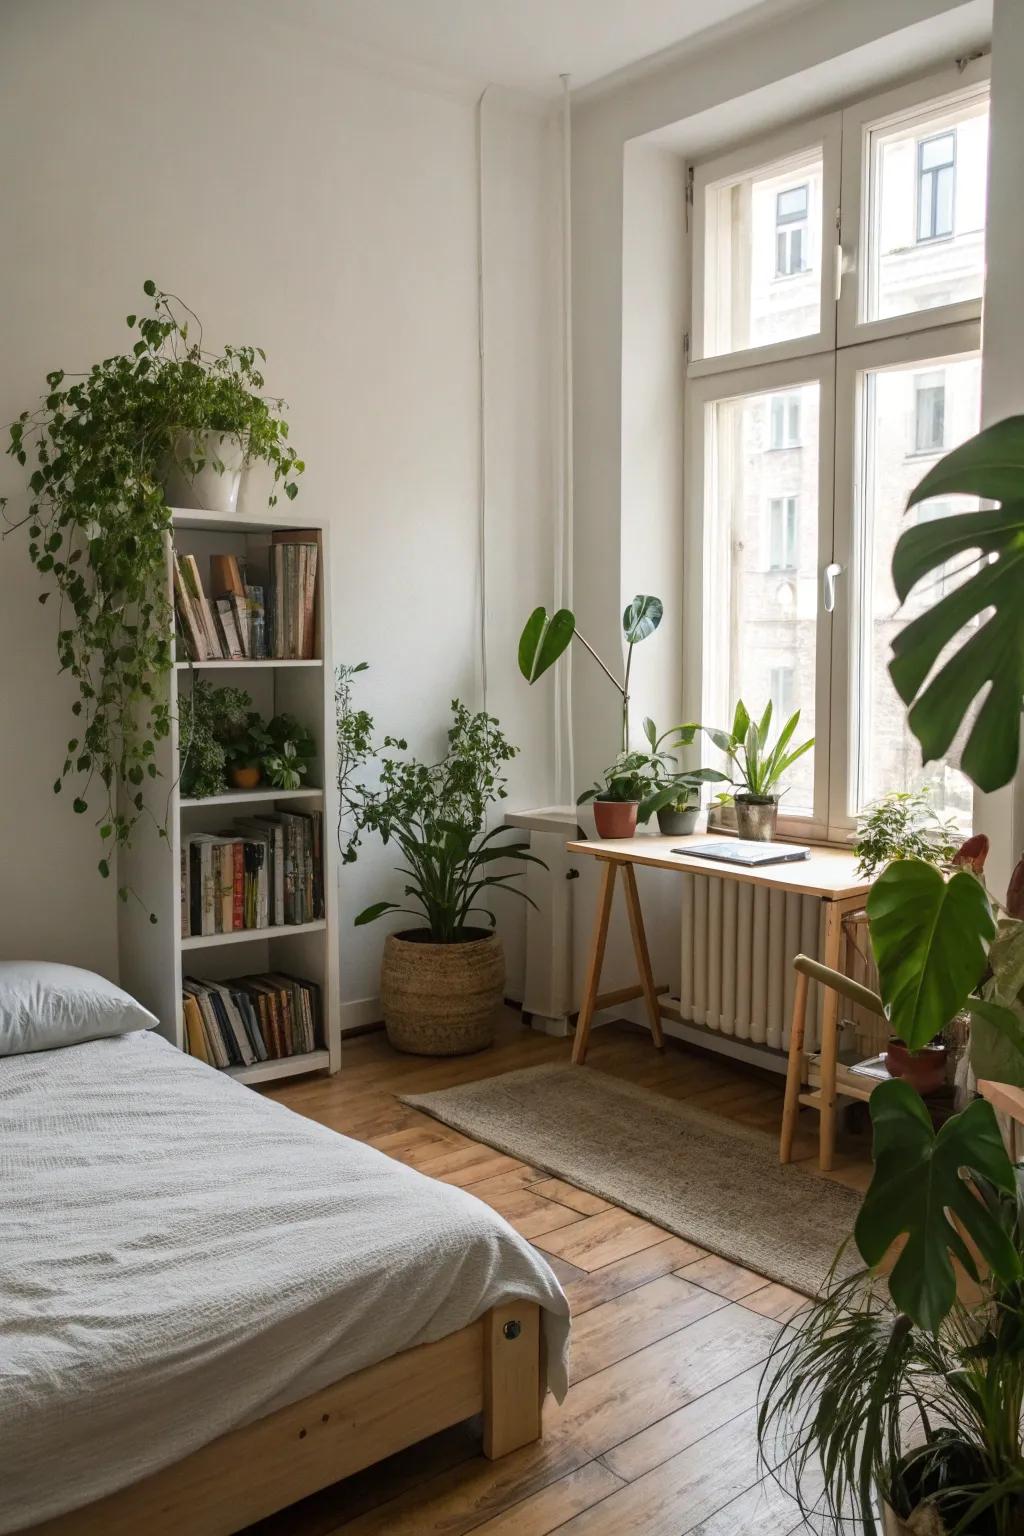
[[154, 956]]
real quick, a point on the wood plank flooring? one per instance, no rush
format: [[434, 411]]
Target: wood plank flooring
[[656, 1436]]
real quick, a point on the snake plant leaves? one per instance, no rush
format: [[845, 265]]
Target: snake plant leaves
[[918, 1191], [543, 640], [641, 618], [930, 937]]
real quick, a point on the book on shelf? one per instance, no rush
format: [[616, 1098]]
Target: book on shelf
[[231, 624], [265, 872], [249, 1019]]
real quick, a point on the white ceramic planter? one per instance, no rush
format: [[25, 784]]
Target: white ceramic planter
[[214, 486]]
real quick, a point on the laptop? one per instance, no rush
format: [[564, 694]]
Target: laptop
[[737, 850]]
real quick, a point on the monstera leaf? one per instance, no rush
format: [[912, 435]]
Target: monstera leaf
[[989, 465], [929, 936], [543, 640], [918, 1190], [641, 618]]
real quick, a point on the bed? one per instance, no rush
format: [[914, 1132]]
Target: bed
[[211, 1306]]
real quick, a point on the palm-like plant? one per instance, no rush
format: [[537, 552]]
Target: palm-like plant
[[760, 767]]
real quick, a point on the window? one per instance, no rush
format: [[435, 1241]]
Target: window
[[929, 413], [782, 535], [936, 186], [785, 432], [789, 592], [791, 231], [782, 692]]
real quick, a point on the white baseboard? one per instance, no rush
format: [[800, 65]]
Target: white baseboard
[[359, 1013]]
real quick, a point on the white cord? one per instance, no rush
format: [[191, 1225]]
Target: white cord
[[565, 765], [482, 395]]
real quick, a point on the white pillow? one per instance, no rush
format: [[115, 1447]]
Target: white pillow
[[43, 1005]]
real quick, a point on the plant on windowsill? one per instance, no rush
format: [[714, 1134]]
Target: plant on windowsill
[[617, 795], [545, 637], [759, 767], [97, 517], [442, 981]]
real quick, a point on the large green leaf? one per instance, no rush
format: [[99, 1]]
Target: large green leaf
[[991, 657], [990, 464], [930, 937], [641, 618], [543, 640], [917, 1190], [997, 1042]]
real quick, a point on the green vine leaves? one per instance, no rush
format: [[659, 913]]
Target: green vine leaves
[[97, 520]]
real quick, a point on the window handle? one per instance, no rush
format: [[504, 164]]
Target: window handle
[[839, 271], [829, 586]]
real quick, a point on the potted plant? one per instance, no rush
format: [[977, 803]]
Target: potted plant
[[443, 980], [903, 824], [246, 746], [760, 768], [97, 520], [617, 795], [545, 637], [673, 794]]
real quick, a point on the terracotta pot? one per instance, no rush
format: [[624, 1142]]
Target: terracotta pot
[[245, 775], [441, 999], [616, 818], [756, 817], [924, 1070]]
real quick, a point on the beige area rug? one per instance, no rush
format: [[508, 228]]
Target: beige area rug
[[717, 1184]]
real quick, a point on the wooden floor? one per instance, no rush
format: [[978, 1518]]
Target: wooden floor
[[656, 1436]]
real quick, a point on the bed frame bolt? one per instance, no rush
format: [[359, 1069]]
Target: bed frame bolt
[[512, 1330]]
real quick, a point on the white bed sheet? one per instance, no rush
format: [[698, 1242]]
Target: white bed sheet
[[179, 1255]]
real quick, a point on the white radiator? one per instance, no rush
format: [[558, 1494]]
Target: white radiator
[[738, 944]]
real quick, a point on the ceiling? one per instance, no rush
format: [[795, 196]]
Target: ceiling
[[527, 44]]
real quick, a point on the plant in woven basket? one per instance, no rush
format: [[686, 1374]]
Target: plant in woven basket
[[97, 521], [435, 815]]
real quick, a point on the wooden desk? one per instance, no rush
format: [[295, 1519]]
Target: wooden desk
[[829, 874]]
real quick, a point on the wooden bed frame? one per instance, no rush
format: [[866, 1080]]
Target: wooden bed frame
[[495, 1366]]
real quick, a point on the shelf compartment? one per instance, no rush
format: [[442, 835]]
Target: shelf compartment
[[280, 1066], [251, 935]]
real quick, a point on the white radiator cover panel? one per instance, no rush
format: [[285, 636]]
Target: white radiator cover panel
[[738, 944]]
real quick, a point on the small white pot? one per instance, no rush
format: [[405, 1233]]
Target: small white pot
[[214, 486]]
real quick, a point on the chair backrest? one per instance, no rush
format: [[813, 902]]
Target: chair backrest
[[844, 985]]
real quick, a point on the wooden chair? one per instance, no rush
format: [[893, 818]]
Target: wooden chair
[[822, 1099], [1010, 1102]]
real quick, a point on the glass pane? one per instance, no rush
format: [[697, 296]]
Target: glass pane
[[761, 576], [763, 256], [895, 404], [926, 209]]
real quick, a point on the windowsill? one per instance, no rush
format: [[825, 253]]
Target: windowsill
[[783, 448], [924, 453]]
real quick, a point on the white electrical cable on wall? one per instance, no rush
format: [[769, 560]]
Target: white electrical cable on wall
[[565, 773], [482, 395]]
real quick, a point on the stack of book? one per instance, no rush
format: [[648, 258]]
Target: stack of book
[[270, 618], [251, 1018], [266, 872]]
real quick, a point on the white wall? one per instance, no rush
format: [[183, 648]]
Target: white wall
[[326, 209]]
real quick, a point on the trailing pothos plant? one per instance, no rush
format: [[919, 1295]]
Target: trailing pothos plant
[[97, 448], [435, 814]]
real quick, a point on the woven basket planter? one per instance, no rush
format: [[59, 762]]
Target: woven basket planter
[[441, 999]]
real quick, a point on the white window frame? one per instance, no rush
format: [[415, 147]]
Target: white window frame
[[934, 347], [824, 133], [888, 109], [702, 548], [842, 349]]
